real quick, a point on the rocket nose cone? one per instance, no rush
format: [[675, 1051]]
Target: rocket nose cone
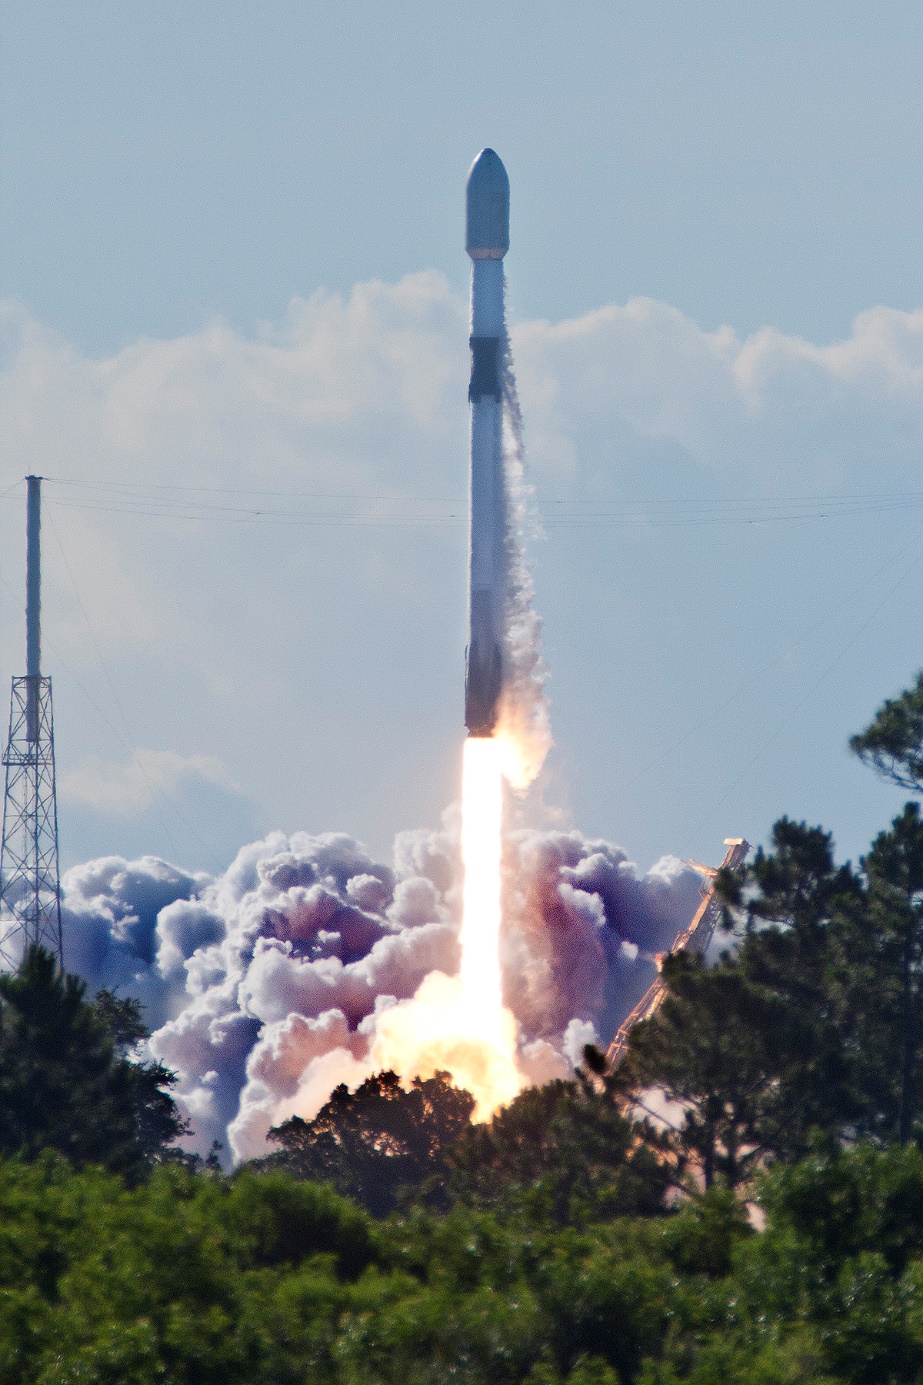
[[487, 224]]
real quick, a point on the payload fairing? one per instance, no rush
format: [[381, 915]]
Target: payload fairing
[[487, 239]]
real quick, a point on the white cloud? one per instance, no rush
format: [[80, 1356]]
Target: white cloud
[[360, 388], [135, 785], [647, 368], [346, 396], [318, 655]]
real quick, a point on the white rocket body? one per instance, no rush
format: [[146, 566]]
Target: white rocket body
[[486, 241]]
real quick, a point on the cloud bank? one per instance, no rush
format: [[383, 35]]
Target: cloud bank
[[647, 370], [355, 386], [349, 416]]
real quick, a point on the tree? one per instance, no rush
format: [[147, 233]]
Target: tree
[[893, 742], [812, 1027], [798, 905], [847, 952], [752, 1049], [889, 1001], [180, 1278], [562, 1153], [158, 1121], [797, 884], [374, 1143], [66, 1080], [715, 1048], [841, 1255]]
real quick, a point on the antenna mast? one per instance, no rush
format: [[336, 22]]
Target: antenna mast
[[30, 885]]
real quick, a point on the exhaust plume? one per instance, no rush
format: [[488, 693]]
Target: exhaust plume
[[524, 725], [287, 973]]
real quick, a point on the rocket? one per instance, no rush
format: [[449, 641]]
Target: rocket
[[487, 239]]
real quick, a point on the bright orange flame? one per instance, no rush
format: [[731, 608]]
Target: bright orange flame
[[459, 1023], [481, 845]]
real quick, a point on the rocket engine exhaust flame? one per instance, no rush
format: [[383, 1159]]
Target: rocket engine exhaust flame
[[481, 847], [459, 1024]]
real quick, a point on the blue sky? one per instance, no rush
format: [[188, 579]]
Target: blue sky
[[176, 175], [165, 162]]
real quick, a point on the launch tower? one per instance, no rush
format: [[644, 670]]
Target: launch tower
[[695, 938], [30, 887]]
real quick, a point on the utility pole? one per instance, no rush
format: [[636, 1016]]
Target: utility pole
[[30, 884]]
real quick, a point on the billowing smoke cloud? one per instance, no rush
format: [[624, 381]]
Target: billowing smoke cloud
[[267, 985]]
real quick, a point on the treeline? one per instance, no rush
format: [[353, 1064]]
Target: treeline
[[740, 1200], [211, 1281]]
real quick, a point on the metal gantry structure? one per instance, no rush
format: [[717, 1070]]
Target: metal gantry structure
[[696, 938], [30, 880]]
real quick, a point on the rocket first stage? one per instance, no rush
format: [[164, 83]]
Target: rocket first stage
[[487, 239]]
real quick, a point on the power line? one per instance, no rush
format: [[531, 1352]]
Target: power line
[[212, 514], [115, 698], [763, 668], [127, 745], [786, 722], [174, 500]]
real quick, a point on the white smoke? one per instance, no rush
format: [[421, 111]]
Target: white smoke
[[267, 985], [524, 719]]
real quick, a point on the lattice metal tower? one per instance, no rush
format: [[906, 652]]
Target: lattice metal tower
[[30, 885]]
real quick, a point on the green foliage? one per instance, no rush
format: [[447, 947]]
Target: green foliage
[[798, 884], [560, 1154], [842, 1255], [562, 1243], [266, 1280], [376, 1142], [811, 1028], [893, 743], [184, 1278], [66, 1081], [715, 1047]]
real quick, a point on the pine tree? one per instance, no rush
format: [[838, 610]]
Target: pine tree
[[66, 1080], [375, 1142]]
